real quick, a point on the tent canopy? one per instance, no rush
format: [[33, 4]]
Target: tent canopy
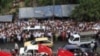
[[46, 11], [26, 12], [6, 18]]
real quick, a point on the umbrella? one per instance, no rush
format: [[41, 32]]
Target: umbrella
[[45, 49], [62, 52], [3, 53]]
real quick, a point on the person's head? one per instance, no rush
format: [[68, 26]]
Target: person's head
[[92, 42], [12, 50]]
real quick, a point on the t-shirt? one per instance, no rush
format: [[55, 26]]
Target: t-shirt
[[92, 45], [16, 46]]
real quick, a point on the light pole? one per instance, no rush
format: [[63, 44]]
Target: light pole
[[34, 3], [34, 6], [53, 1]]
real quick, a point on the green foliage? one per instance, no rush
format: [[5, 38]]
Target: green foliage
[[88, 10], [27, 3], [44, 2], [5, 6], [50, 2]]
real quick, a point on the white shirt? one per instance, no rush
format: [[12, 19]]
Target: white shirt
[[38, 34], [50, 34], [19, 37], [92, 45], [16, 46], [35, 34], [3, 36]]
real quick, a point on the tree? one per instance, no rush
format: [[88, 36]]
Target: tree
[[72, 1], [50, 2], [87, 10], [5, 6]]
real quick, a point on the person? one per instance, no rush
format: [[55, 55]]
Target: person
[[16, 47], [3, 38], [56, 36], [18, 38], [63, 35], [13, 52], [95, 46], [92, 46], [43, 54], [0, 38]]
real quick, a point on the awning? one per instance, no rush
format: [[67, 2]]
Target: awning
[[6, 18], [46, 11], [26, 12], [67, 9]]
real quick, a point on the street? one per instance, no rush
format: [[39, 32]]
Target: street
[[57, 45]]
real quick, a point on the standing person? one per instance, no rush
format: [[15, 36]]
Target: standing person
[[15, 37], [92, 46], [4, 37], [95, 46], [0, 38], [68, 32], [63, 35], [49, 34], [31, 36], [13, 52], [16, 47], [18, 37], [56, 36]]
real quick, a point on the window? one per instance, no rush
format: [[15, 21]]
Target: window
[[25, 48], [34, 42], [46, 42], [76, 39], [30, 51], [43, 42], [85, 46], [71, 38], [75, 50]]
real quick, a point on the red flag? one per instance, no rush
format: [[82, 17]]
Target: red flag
[[62, 52], [45, 49], [3, 53]]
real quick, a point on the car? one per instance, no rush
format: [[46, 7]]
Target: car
[[35, 50], [41, 40], [86, 48], [75, 38], [77, 50], [96, 27], [28, 49], [71, 47]]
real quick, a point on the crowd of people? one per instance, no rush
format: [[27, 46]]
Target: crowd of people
[[14, 31]]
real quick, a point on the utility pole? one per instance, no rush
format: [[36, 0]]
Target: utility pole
[[53, 1], [34, 5]]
